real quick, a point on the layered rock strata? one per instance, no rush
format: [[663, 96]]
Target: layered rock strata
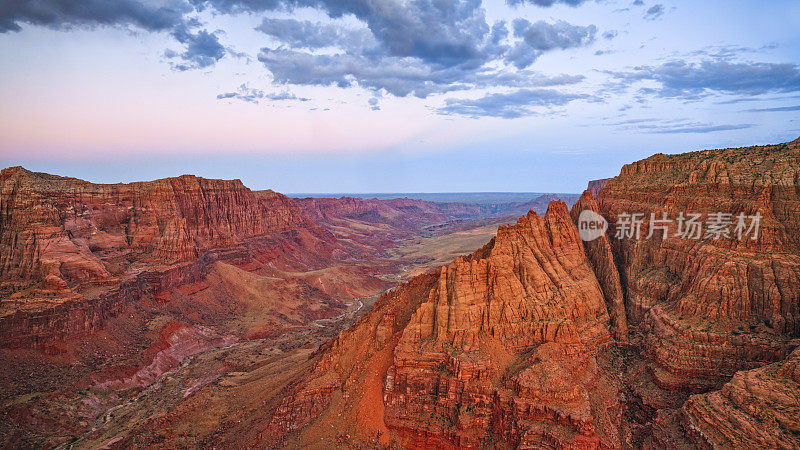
[[514, 345], [707, 306], [74, 253], [498, 345], [63, 231], [758, 408]]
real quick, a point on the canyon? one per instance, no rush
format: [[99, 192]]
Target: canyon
[[191, 312], [541, 340]]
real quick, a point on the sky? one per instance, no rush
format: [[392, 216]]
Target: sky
[[390, 95]]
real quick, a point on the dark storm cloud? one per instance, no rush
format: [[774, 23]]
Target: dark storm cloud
[[693, 80], [91, 13], [249, 95], [539, 37], [654, 12], [508, 105]]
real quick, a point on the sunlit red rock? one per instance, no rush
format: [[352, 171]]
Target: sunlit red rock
[[500, 343], [511, 345], [707, 307]]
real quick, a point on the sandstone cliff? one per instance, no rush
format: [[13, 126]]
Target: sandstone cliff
[[497, 346], [758, 408], [539, 339], [63, 231], [74, 254], [602, 260], [708, 307]]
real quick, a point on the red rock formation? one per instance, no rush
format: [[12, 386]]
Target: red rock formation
[[73, 253], [401, 213], [758, 408], [413, 214], [707, 307], [44, 325], [595, 186], [520, 344], [602, 259], [59, 230], [176, 342], [500, 345]]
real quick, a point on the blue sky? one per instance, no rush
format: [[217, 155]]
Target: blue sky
[[390, 95]]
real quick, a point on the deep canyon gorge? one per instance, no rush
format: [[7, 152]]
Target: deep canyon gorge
[[189, 312]]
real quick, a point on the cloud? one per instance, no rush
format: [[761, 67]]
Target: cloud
[[415, 47], [373, 104], [637, 3], [522, 78], [775, 109], [202, 49], [400, 77], [249, 95], [443, 32], [402, 47], [694, 80], [60, 14], [730, 52], [654, 12], [700, 128], [507, 105], [610, 34], [679, 126], [541, 37], [311, 35]]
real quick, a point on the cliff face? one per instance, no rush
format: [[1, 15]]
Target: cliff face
[[63, 231], [74, 254], [602, 260], [503, 346], [708, 307], [536, 339], [542, 339], [758, 408], [595, 186], [498, 345]]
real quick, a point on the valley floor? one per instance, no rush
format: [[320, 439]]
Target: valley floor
[[218, 375]]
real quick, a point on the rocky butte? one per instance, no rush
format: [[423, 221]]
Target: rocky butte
[[541, 340]]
